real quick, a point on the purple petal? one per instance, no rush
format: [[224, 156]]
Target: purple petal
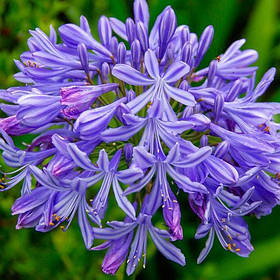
[[122, 201], [142, 35], [208, 246], [176, 71], [151, 64], [83, 55], [174, 154], [233, 49], [143, 182], [44, 180], [79, 157], [129, 176], [141, 12], [142, 158], [194, 158], [118, 27], [176, 127], [185, 183], [29, 201], [104, 30], [204, 43], [84, 24], [131, 76], [123, 133], [221, 171], [141, 100], [85, 226], [166, 248], [179, 95], [72, 35], [113, 234], [103, 160], [136, 54], [167, 27], [130, 30]]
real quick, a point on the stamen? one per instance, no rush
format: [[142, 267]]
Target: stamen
[[149, 104]]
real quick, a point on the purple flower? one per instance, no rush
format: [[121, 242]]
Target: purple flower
[[92, 122], [118, 231], [134, 120], [78, 99], [159, 83], [53, 203], [107, 171], [227, 223]]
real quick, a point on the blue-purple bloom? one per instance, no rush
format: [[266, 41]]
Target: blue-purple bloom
[[131, 119]]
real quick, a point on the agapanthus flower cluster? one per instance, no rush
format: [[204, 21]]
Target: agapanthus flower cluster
[[133, 120]]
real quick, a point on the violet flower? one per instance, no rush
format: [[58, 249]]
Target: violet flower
[[131, 119]]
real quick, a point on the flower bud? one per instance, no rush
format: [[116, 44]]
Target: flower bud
[[130, 30], [83, 55], [167, 28], [121, 53], [105, 31]]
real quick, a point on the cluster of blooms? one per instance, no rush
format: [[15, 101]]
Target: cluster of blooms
[[134, 113]]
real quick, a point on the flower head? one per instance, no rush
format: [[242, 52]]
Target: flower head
[[130, 120]]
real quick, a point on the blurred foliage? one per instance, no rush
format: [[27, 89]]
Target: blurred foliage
[[27, 254]]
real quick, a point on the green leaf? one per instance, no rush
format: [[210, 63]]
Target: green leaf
[[261, 31]]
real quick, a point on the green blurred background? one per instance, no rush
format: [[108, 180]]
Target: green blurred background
[[26, 254]]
